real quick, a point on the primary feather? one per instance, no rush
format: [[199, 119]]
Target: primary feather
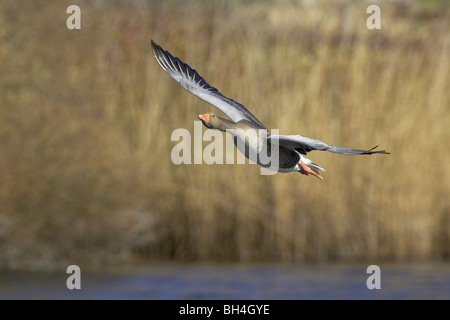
[[195, 84]]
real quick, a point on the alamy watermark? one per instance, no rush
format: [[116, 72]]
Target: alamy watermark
[[74, 280], [74, 20], [374, 21], [374, 280], [250, 142]]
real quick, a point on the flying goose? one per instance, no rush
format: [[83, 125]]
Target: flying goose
[[250, 135]]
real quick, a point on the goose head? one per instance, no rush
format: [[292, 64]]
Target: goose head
[[211, 121], [208, 119]]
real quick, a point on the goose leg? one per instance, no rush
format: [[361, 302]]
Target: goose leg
[[305, 170]]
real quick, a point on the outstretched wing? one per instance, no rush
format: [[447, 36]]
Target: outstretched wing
[[195, 84], [304, 145]]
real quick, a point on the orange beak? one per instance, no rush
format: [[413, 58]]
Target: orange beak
[[204, 117]]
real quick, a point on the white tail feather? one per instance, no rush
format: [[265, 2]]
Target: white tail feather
[[311, 164]]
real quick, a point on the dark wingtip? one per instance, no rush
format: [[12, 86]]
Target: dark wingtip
[[370, 151], [155, 47]]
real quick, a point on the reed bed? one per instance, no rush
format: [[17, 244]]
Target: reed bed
[[86, 117]]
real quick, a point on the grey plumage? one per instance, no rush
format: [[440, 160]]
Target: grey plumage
[[304, 145], [195, 84], [291, 147]]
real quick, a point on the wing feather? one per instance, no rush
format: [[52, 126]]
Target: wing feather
[[192, 82], [304, 145]]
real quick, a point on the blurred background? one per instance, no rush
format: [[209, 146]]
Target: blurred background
[[86, 118]]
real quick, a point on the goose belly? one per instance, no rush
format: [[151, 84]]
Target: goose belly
[[254, 147], [249, 144]]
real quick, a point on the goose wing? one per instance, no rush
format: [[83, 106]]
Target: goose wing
[[195, 84], [304, 145]]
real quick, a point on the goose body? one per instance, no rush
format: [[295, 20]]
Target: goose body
[[250, 136]]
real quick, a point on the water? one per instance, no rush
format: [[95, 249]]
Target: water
[[174, 281]]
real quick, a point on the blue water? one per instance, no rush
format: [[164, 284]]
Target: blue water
[[174, 281]]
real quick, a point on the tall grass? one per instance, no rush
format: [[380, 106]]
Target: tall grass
[[86, 118]]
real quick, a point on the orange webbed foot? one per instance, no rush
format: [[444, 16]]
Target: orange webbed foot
[[307, 170]]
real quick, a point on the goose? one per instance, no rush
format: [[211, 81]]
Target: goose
[[250, 136]]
